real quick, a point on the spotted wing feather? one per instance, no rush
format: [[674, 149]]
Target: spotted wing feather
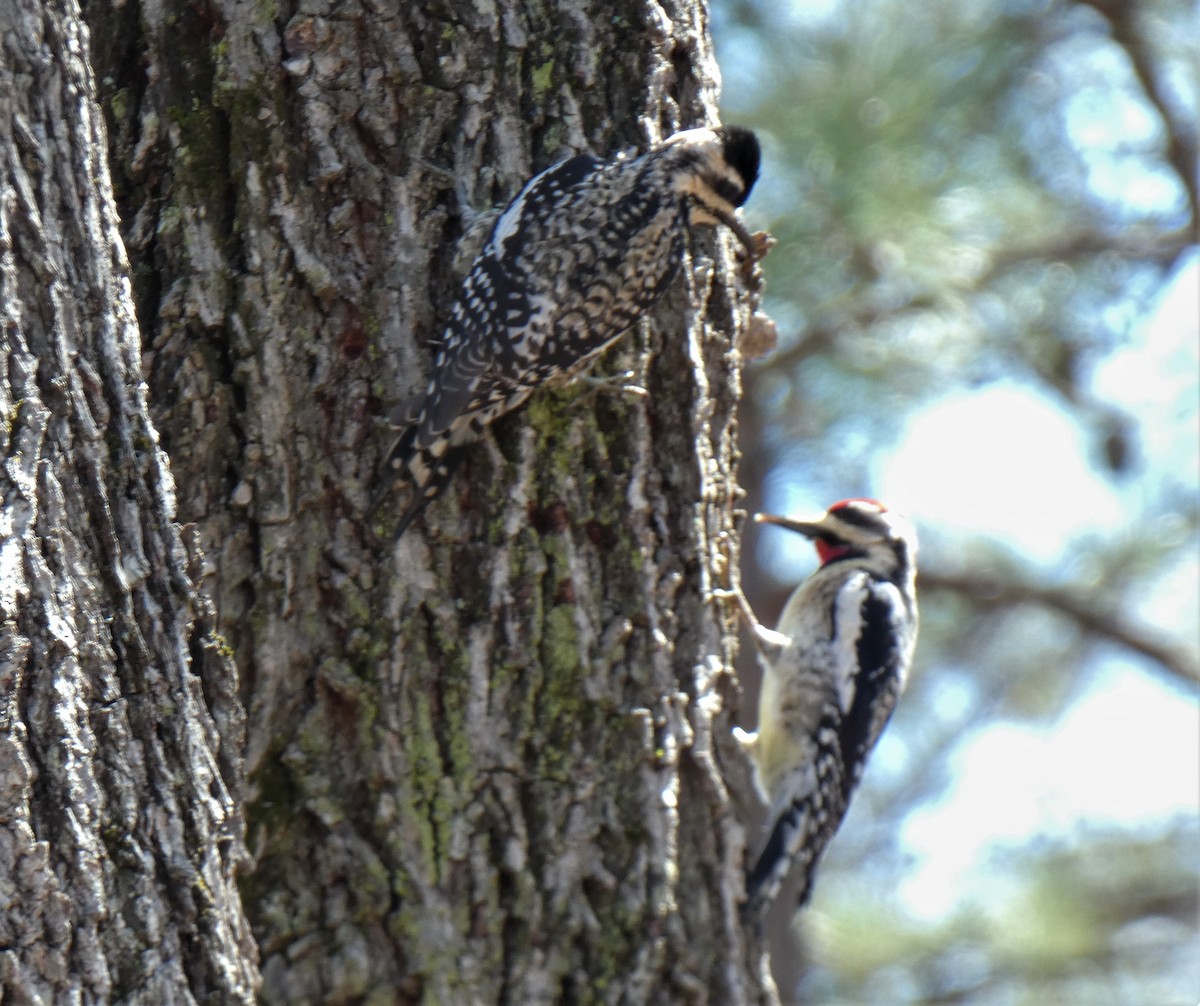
[[538, 304]]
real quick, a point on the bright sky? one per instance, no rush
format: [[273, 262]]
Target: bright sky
[[1127, 753], [1000, 461], [1006, 462]]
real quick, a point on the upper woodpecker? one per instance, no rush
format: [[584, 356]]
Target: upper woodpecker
[[832, 674], [579, 254]]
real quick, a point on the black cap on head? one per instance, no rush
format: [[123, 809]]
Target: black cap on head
[[742, 153]]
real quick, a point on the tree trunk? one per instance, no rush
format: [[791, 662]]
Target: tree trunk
[[120, 814], [490, 762]]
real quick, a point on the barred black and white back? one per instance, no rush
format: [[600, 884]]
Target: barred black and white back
[[584, 249], [832, 674]]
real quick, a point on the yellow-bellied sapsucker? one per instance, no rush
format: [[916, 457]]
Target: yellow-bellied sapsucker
[[832, 674], [579, 254]]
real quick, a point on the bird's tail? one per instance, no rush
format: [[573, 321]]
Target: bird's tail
[[785, 848], [426, 469]]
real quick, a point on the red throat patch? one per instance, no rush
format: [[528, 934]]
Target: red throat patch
[[828, 551]]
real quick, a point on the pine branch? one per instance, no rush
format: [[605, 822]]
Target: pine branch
[[1098, 621]]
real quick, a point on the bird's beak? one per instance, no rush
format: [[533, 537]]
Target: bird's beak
[[812, 528]]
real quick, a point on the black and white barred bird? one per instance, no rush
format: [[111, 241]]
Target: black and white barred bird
[[581, 252], [832, 674]]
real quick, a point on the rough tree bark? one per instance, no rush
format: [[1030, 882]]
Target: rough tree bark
[[490, 762], [120, 726]]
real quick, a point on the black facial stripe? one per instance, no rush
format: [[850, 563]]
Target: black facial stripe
[[728, 191]]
